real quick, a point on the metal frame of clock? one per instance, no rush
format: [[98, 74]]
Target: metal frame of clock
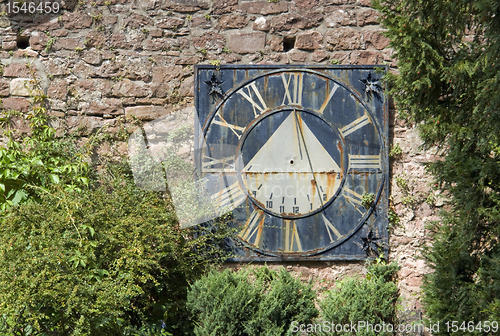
[[298, 155]]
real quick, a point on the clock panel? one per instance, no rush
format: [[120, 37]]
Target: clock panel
[[264, 127]]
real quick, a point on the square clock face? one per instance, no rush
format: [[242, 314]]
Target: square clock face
[[298, 155]]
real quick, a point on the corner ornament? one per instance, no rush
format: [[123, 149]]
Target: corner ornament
[[372, 87], [216, 91]]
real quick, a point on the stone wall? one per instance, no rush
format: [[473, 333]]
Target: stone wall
[[102, 61]]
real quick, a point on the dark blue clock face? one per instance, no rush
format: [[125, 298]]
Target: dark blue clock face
[[295, 154]]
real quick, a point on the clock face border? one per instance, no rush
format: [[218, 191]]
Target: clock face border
[[378, 112]]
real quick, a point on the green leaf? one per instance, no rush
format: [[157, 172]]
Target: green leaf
[[19, 196], [54, 178]]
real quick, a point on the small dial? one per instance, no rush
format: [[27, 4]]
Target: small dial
[[294, 173]]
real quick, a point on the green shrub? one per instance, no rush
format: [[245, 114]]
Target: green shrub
[[35, 156], [250, 302], [372, 300], [108, 260]]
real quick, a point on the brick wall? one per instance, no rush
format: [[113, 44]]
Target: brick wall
[[103, 60]]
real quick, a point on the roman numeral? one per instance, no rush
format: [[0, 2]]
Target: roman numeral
[[227, 165], [253, 227], [292, 240], [230, 196], [295, 97], [353, 197], [327, 100], [237, 130], [331, 229], [364, 162], [262, 107], [355, 125]]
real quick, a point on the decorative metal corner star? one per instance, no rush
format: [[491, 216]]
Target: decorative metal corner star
[[370, 245], [372, 87], [215, 89]]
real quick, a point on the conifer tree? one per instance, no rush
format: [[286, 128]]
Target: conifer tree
[[448, 85]]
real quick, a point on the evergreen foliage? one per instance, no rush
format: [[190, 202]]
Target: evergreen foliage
[[371, 300], [448, 84], [107, 260], [251, 302]]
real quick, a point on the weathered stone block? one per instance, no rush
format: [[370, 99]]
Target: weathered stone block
[[113, 2], [58, 89], [231, 58], [76, 20], [188, 60], [209, 41], [4, 88], [366, 57], [110, 20], [156, 32], [306, 4], [247, 42], [95, 39], [319, 55], [9, 45], [126, 88], [232, 21], [16, 70], [68, 44], [119, 41], [276, 43], [60, 32], [225, 6], [86, 125], [309, 40], [297, 55], [264, 7], [21, 87], [340, 17], [375, 39], [342, 57], [169, 23], [16, 103], [261, 24], [200, 22], [163, 74], [289, 21], [92, 57], [23, 53], [187, 87], [367, 16], [4, 22], [345, 39], [57, 67], [104, 106], [149, 112], [38, 40], [339, 2], [185, 6], [136, 21]]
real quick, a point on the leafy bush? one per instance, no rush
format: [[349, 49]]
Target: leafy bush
[[372, 300], [36, 157], [108, 260], [250, 302]]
